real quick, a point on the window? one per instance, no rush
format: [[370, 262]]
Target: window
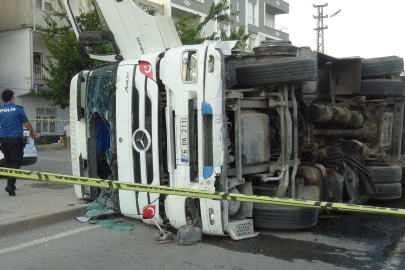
[[48, 6], [38, 4], [37, 69], [252, 43], [43, 4], [252, 13], [44, 114]]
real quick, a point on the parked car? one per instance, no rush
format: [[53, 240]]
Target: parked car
[[30, 152]]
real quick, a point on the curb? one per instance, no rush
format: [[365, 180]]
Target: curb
[[26, 223]]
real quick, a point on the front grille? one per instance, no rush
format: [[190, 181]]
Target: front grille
[[135, 126], [148, 127]]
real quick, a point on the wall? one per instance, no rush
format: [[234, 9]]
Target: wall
[[16, 59], [194, 5], [16, 12], [269, 17]]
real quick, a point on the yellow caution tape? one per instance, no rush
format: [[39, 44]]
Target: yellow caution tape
[[48, 120], [215, 195]]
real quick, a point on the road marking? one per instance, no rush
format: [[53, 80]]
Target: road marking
[[47, 239], [55, 159]]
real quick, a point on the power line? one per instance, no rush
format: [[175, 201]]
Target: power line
[[295, 6], [309, 2], [301, 10]]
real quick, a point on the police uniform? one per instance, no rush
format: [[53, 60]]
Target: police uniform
[[12, 118]]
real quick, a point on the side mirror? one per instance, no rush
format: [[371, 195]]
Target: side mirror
[[96, 38], [90, 39]]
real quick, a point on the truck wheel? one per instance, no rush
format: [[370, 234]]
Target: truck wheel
[[381, 66], [275, 49], [387, 191], [382, 88], [267, 216], [385, 174], [280, 70]]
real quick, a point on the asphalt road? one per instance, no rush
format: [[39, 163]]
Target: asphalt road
[[347, 241]]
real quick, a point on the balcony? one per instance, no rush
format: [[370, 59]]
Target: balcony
[[39, 19], [275, 26], [252, 21], [273, 30], [252, 26], [39, 73], [277, 7]]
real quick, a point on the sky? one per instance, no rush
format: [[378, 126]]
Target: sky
[[365, 28]]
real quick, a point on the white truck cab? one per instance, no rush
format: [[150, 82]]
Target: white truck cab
[[284, 121]]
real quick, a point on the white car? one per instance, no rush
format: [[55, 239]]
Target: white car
[[30, 152]]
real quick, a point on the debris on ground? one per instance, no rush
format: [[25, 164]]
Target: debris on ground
[[162, 236], [188, 235], [98, 213]]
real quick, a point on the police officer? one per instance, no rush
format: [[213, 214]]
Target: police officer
[[12, 118]]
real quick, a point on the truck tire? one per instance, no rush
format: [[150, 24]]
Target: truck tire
[[282, 50], [280, 70], [381, 66], [267, 216], [385, 174], [382, 88], [387, 191]]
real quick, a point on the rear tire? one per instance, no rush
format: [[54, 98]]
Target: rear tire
[[387, 191], [382, 88], [385, 174], [381, 66], [280, 70], [267, 216]]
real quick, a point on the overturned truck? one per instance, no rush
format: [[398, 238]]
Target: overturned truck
[[282, 121]]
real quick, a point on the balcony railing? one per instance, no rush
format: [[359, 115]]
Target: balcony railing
[[39, 73], [252, 21], [275, 26]]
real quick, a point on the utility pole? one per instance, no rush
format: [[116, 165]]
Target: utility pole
[[319, 29]]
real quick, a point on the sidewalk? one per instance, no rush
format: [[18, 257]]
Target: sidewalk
[[39, 203]]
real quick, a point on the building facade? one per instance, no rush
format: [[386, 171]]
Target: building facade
[[21, 52], [258, 16]]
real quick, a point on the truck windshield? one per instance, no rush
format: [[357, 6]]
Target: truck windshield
[[100, 116]]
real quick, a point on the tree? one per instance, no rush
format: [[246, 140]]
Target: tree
[[64, 60], [191, 32]]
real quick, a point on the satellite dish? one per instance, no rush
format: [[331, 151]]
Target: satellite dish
[[335, 13]]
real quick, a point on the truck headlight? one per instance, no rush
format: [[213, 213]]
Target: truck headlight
[[212, 215], [190, 66]]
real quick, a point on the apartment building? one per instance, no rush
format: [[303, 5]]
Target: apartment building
[[21, 52], [258, 16]]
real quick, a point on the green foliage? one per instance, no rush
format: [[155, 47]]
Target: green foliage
[[191, 31], [41, 141], [64, 61], [148, 9]]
